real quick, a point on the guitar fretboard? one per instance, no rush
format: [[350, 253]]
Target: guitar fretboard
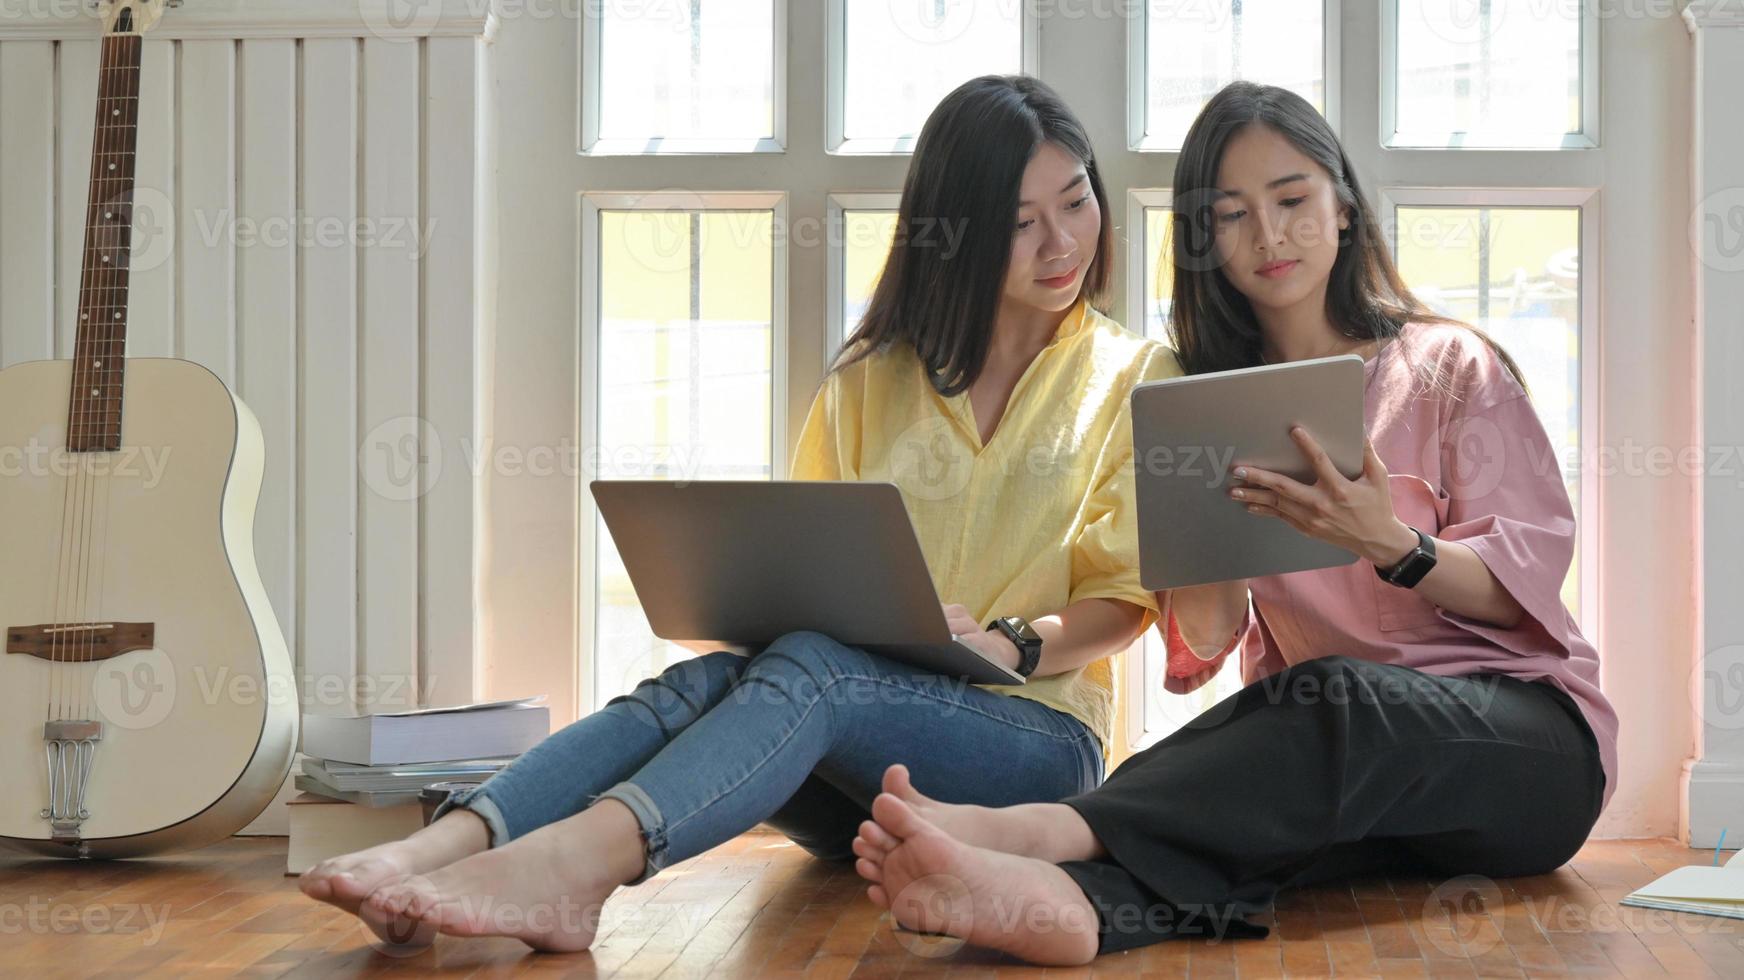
[[94, 415]]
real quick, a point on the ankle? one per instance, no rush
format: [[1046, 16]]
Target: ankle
[[1061, 830], [457, 834], [625, 851]]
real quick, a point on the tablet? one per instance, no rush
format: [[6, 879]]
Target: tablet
[[1189, 433]]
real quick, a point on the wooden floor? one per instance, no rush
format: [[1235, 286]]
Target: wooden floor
[[759, 907]]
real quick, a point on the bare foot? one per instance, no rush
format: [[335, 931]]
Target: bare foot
[[1018, 905], [345, 881], [1051, 832], [545, 888]]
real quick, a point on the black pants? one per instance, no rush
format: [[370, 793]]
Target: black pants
[[1329, 768]]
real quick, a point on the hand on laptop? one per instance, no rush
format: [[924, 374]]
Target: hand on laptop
[[991, 644]]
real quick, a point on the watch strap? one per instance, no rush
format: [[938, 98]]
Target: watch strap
[[1029, 650], [1416, 564]]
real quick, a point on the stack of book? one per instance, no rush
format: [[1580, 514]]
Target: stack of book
[[362, 774]]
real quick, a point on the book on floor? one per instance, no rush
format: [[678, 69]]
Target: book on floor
[[473, 731], [398, 778], [365, 798], [322, 828], [1699, 888]]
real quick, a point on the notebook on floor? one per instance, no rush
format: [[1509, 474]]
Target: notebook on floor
[[1700, 888]]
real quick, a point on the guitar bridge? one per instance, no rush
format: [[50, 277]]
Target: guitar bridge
[[71, 748]]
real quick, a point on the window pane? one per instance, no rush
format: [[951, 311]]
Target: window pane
[[865, 245], [1165, 712], [1194, 49], [1159, 272], [684, 388], [903, 56], [687, 70], [1489, 71], [1515, 273]]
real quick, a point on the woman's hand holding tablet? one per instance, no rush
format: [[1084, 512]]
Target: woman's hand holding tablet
[[1190, 432], [1356, 515]]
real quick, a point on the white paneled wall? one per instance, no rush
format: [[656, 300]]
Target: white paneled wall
[[307, 218]]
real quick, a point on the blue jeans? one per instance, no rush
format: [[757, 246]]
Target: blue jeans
[[799, 737]]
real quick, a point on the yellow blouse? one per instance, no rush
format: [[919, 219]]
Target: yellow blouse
[[1041, 516]]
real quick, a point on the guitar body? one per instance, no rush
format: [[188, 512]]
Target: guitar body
[[199, 729]]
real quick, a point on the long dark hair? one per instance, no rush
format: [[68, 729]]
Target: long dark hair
[[1211, 324], [939, 295]]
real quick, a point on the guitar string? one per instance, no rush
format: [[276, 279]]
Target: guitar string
[[99, 142], [114, 361], [59, 638], [107, 360], [106, 280]]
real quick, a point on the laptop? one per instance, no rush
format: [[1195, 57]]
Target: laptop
[[733, 565], [1188, 434]]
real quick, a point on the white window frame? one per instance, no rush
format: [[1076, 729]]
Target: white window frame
[[1139, 200], [835, 329], [836, 87], [589, 207], [1138, 86], [1393, 137], [588, 105], [1586, 201]]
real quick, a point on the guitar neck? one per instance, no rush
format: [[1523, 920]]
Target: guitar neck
[[94, 413]]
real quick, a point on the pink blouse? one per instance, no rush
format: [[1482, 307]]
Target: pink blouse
[[1468, 461]]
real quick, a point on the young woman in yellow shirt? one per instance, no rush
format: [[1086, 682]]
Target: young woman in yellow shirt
[[984, 383]]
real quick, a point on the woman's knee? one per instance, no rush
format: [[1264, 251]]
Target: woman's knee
[[806, 655], [691, 686]]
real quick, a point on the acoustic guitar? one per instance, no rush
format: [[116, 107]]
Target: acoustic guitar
[[147, 700]]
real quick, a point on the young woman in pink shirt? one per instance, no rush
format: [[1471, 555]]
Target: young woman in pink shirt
[[1430, 707]]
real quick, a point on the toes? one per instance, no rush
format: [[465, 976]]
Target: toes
[[318, 888], [390, 899], [878, 897], [345, 885], [896, 781], [897, 817], [899, 784], [871, 852], [877, 836], [870, 871]]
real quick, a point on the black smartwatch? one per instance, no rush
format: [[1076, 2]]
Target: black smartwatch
[[1023, 636], [1411, 569]]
